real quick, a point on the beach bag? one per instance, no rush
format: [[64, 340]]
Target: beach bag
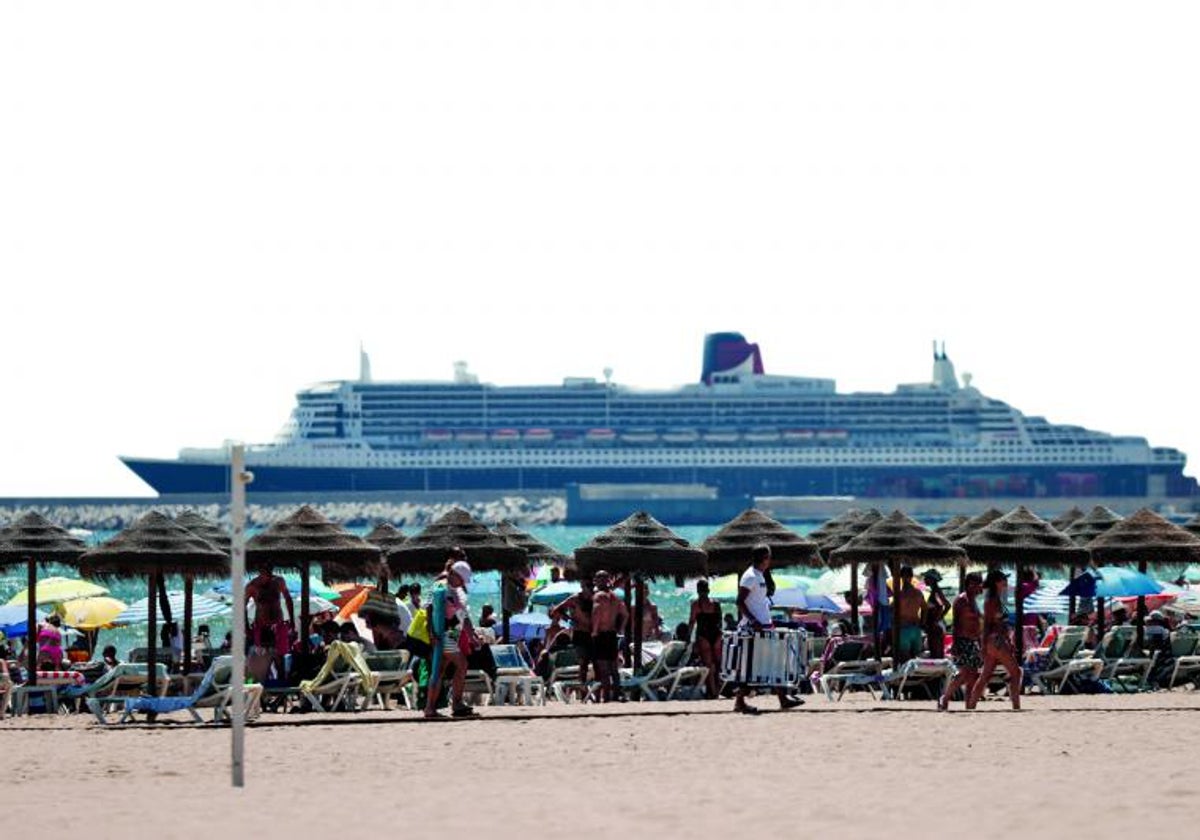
[[419, 628]]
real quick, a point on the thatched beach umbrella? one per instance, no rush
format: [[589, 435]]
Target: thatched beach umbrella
[[1065, 518], [1192, 525], [512, 581], [1082, 531], [641, 547], [306, 538], [825, 529], [386, 536], [896, 539], [1022, 538], [424, 553], [973, 524], [218, 538], [1143, 538], [951, 524], [154, 546], [728, 549], [836, 533], [30, 540]]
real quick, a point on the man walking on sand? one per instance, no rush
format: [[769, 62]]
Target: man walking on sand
[[754, 609], [609, 619]]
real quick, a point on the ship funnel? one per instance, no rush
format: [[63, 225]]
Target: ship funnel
[[944, 377], [728, 357]]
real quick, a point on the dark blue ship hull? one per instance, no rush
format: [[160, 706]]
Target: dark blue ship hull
[[183, 478]]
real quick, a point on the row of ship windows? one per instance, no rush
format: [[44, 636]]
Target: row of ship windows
[[551, 459]]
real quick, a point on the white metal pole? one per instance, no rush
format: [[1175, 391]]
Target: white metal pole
[[238, 479]]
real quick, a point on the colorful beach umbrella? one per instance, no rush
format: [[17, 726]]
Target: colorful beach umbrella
[[203, 607], [725, 588], [55, 590], [554, 593], [316, 588], [527, 626], [1112, 582], [14, 620], [91, 613]]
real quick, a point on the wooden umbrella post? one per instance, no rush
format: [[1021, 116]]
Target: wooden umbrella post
[[152, 641], [304, 619], [638, 610], [854, 597], [877, 611], [895, 613], [1020, 628], [31, 628], [188, 585], [1141, 614], [1099, 620], [1071, 601]]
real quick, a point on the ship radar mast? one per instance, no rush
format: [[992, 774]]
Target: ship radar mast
[[364, 364], [944, 377]]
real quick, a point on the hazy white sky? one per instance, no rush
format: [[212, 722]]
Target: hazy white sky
[[206, 206]]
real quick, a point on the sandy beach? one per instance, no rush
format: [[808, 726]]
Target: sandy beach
[[1107, 765]]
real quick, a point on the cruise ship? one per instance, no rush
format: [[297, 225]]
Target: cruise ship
[[738, 429]]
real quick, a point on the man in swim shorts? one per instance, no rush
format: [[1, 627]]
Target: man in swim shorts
[[609, 619], [910, 614], [578, 610], [267, 590]]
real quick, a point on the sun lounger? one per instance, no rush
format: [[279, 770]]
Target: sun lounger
[[845, 663], [343, 675], [922, 673], [113, 688], [1185, 651], [214, 692], [514, 678], [1048, 668], [668, 676], [564, 675], [392, 677], [1124, 667]]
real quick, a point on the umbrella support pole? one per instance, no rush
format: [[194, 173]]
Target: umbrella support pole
[[164, 603], [1141, 614], [304, 619], [31, 632], [1072, 604], [1099, 620], [188, 585], [152, 636], [1019, 633], [505, 626], [895, 613], [854, 626], [638, 610]]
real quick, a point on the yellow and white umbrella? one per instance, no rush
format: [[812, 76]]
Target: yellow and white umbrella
[[91, 613], [55, 590]]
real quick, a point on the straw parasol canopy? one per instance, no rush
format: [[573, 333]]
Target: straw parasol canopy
[[386, 536], [1020, 536], [729, 548], [1065, 518], [1145, 537], [849, 529], [641, 545], [1192, 525], [974, 524], [898, 539], [535, 550], [306, 538], [951, 524], [33, 537], [425, 553], [822, 531], [206, 529], [1098, 520], [154, 544]]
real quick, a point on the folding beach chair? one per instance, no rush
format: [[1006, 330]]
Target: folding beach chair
[[1049, 668], [926, 674], [343, 675], [669, 675], [1185, 651], [392, 677]]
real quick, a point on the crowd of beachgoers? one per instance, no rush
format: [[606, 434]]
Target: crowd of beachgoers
[[545, 510]]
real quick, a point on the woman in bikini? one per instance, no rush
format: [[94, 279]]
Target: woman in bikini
[[704, 625], [966, 650], [997, 641]]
